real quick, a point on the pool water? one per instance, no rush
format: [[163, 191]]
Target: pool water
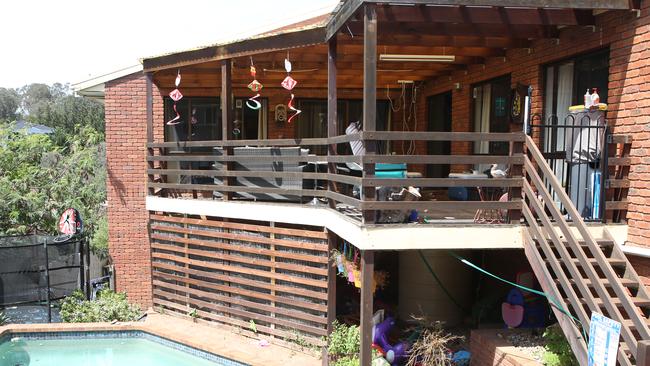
[[94, 352]]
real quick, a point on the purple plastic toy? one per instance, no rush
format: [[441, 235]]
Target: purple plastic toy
[[394, 354]]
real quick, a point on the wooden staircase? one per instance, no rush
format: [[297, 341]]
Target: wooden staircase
[[581, 273]]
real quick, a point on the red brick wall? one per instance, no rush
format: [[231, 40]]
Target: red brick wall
[[126, 136]]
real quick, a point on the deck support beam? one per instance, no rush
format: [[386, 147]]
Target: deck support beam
[[332, 116], [226, 117], [331, 293], [367, 271], [369, 99]]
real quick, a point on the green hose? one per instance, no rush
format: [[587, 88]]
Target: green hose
[[550, 298]]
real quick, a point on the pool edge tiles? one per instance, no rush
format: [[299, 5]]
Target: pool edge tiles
[[121, 334]]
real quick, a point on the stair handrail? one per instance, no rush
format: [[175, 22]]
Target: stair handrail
[[590, 242]]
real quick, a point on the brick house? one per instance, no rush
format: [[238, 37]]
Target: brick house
[[234, 210]]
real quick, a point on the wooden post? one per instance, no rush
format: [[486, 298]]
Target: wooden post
[[516, 170], [149, 111], [331, 292], [369, 99], [367, 270], [332, 116], [643, 353], [226, 118]]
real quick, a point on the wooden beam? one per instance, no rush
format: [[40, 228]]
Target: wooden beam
[[331, 291], [369, 99], [149, 98], [461, 29], [242, 48], [483, 15], [332, 116], [226, 117], [367, 270]]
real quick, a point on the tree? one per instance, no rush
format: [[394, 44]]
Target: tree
[[9, 104], [39, 180], [69, 113], [35, 96]]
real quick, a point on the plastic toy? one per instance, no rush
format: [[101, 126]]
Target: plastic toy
[[396, 354]]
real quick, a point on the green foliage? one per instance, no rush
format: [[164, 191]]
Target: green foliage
[[4, 319], [108, 306], [252, 326], [558, 351], [344, 344], [193, 314], [69, 114], [99, 241], [9, 104], [39, 179]]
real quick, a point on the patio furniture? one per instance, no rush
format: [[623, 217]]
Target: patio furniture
[[264, 166]]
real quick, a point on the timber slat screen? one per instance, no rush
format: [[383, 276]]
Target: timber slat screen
[[296, 171], [254, 276]]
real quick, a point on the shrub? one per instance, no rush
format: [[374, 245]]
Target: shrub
[[108, 306], [99, 241], [558, 351], [344, 345]]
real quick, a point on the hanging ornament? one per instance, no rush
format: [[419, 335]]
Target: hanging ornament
[[253, 103], [292, 108], [176, 95], [255, 86]]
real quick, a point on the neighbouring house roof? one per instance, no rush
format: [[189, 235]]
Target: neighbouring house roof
[[31, 128], [94, 87]]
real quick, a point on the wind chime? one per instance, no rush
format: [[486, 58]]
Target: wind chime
[[255, 86], [176, 96], [289, 83]]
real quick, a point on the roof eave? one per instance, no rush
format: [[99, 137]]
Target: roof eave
[[247, 47], [347, 9]]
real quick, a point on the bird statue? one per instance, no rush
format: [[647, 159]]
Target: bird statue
[[495, 172]]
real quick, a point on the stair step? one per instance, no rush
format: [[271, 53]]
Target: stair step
[[582, 243], [637, 301], [630, 324], [614, 262], [624, 281]]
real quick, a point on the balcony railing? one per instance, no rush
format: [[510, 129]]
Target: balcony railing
[[369, 186]]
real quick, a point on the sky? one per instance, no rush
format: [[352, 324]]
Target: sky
[[69, 41]]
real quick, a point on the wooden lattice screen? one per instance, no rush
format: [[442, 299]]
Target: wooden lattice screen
[[234, 272]]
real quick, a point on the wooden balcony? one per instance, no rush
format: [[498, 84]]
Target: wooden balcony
[[370, 188]]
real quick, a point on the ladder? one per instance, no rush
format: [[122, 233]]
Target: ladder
[[582, 274]]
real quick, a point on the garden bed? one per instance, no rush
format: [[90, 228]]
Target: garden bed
[[515, 347]]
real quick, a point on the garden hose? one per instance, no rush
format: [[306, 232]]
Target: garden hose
[[550, 298]]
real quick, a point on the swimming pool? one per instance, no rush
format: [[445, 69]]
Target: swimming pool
[[101, 349]]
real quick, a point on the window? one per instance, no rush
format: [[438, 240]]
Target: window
[[312, 122], [567, 81], [490, 109], [200, 119], [251, 122]]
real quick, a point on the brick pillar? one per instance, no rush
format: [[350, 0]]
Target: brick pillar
[[125, 102]]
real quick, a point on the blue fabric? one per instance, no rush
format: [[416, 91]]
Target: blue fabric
[[390, 174], [384, 167]]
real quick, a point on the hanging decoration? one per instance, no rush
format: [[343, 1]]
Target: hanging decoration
[[176, 95], [289, 83], [255, 86], [346, 260]]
